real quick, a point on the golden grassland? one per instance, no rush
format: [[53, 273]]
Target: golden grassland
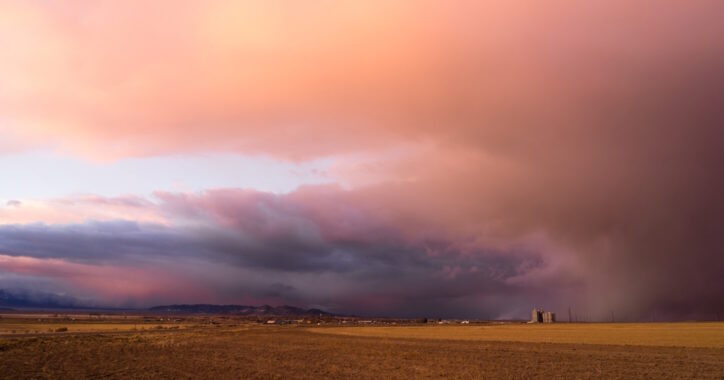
[[49, 323], [693, 334], [41, 328], [229, 348]]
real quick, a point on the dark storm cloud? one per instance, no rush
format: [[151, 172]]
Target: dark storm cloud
[[295, 250], [97, 242]]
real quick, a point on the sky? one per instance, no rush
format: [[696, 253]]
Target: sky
[[395, 158]]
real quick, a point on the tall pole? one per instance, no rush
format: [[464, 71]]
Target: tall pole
[[569, 315]]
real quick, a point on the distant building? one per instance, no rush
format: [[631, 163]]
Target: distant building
[[541, 316], [549, 317]]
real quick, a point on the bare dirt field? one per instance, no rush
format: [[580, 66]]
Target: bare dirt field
[[248, 350]]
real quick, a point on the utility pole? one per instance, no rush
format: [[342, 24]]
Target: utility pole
[[569, 315]]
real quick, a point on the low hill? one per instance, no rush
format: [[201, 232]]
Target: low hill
[[240, 310]]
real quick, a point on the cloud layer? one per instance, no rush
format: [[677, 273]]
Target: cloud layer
[[491, 156], [349, 251], [316, 78], [283, 248]]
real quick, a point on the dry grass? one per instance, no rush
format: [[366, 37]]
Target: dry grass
[[252, 351], [25, 327], [637, 334]]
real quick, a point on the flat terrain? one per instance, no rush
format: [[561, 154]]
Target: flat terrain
[[638, 334], [236, 349], [25, 324]]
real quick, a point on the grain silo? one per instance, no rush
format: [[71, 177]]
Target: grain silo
[[536, 316], [549, 317], [541, 316]]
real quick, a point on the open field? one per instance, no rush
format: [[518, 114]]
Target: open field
[[11, 324], [238, 349], [80, 327], [698, 334]]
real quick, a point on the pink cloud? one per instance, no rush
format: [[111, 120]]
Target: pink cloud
[[109, 282], [308, 79], [81, 208]]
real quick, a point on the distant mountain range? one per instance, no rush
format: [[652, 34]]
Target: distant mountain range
[[264, 310], [31, 299]]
